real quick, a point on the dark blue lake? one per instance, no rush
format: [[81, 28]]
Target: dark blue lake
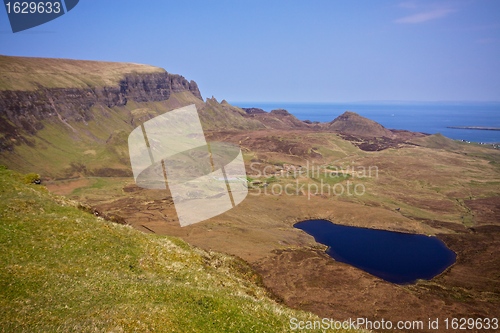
[[393, 256]]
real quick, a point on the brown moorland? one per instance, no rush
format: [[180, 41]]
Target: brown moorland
[[451, 193]]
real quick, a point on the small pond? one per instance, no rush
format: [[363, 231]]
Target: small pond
[[393, 256]]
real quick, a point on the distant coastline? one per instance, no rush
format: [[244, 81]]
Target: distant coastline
[[475, 128], [418, 117]]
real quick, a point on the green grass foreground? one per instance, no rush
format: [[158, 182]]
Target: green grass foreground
[[65, 270]]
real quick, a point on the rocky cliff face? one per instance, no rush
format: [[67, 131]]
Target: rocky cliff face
[[26, 109]]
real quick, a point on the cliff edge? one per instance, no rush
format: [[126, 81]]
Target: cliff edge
[[34, 89]]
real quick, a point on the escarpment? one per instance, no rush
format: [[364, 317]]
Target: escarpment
[[26, 109]]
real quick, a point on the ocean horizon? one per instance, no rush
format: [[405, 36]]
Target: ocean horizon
[[425, 117]]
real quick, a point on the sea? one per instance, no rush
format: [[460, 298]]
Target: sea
[[428, 118]]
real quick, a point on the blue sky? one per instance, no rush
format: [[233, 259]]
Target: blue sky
[[289, 51]]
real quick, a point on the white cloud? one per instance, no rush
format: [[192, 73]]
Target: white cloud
[[426, 16]]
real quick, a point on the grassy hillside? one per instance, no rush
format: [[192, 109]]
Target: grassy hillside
[[65, 270], [86, 149], [22, 73], [438, 141]]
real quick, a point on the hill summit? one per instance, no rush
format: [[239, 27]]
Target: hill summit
[[352, 123]]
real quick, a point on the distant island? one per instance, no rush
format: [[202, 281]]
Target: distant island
[[475, 128]]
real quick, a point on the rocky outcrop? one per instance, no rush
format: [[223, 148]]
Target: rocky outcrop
[[179, 83], [280, 112], [352, 123], [26, 109], [254, 111]]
